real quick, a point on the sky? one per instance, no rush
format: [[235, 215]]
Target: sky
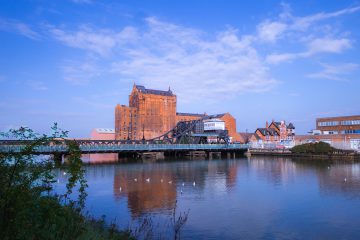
[[72, 61]]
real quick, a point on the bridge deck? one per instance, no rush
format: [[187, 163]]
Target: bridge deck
[[106, 148]]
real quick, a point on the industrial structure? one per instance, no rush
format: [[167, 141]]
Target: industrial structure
[[152, 113]]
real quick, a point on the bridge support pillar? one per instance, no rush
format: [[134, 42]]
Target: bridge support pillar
[[212, 155], [58, 158], [151, 156], [196, 154]]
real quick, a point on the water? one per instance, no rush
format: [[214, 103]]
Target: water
[[256, 198]]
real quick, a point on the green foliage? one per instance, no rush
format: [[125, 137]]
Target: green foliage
[[28, 207], [318, 147]]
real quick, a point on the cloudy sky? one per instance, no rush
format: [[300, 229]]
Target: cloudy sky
[[72, 61]]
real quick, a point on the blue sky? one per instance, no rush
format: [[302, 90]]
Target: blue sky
[[72, 61]]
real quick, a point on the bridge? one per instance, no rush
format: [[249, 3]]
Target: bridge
[[101, 146], [186, 137]]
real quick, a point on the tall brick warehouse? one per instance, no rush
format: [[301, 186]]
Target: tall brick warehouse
[[151, 113]]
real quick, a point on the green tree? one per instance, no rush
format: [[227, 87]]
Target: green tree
[[29, 209]]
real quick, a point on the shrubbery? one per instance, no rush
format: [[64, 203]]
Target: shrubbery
[[318, 147], [28, 207]]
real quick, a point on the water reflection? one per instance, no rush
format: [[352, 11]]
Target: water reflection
[[241, 198], [155, 187]]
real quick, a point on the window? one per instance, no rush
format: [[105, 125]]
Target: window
[[350, 122], [353, 131], [328, 124]]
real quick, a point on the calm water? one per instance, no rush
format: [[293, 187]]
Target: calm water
[[256, 198]]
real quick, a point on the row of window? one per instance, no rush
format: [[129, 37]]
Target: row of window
[[351, 122], [353, 131], [328, 124], [335, 123]]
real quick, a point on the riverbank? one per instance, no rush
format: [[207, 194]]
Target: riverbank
[[336, 155]]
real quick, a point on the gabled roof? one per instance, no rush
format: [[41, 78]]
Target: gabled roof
[[291, 126], [276, 124], [217, 115], [268, 131], [142, 89], [105, 130], [190, 114]]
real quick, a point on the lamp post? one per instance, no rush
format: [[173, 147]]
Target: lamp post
[[143, 138]]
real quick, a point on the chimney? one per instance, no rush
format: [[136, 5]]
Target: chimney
[[267, 124]]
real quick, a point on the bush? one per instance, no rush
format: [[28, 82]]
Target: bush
[[318, 147], [28, 207]]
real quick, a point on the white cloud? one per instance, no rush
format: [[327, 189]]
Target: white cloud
[[304, 31], [273, 30], [37, 85], [328, 45], [193, 64], [336, 72], [315, 46], [79, 73], [270, 31], [19, 28], [283, 57], [99, 42], [303, 23]]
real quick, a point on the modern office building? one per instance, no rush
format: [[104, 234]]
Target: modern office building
[[342, 132], [339, 125]]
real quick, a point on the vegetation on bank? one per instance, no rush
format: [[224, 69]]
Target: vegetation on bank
[[29, 209], [314, 148]]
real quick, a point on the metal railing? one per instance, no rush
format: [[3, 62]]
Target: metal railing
[[129, 147]]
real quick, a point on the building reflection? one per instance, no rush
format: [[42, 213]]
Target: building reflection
[[276, 170], [96, 158], [146, 191], [156, 187], [342, 179], [333, 177]]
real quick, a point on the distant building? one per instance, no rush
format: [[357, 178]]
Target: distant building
[[246, 137], [188, 116], [103, 134], [339, 125], [276, 132], [152, 113], [341, 132]]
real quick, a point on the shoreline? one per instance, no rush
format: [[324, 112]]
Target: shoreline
[[348, 156]]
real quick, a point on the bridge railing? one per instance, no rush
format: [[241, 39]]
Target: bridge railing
[[128, 147]]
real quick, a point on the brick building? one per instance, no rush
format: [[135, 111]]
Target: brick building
[[276, 132], [152, 113], [341, 132], [339, 125], [103, 134]]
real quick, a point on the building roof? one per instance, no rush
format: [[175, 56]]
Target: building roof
[[191, 114], [105, 130], [246, 136], [217, 115], [213, 120], [142, 89], [268, 131], [291, 126]]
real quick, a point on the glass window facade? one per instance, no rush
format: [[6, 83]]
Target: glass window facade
[[350, 122], [353, 131], [328, 124]]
